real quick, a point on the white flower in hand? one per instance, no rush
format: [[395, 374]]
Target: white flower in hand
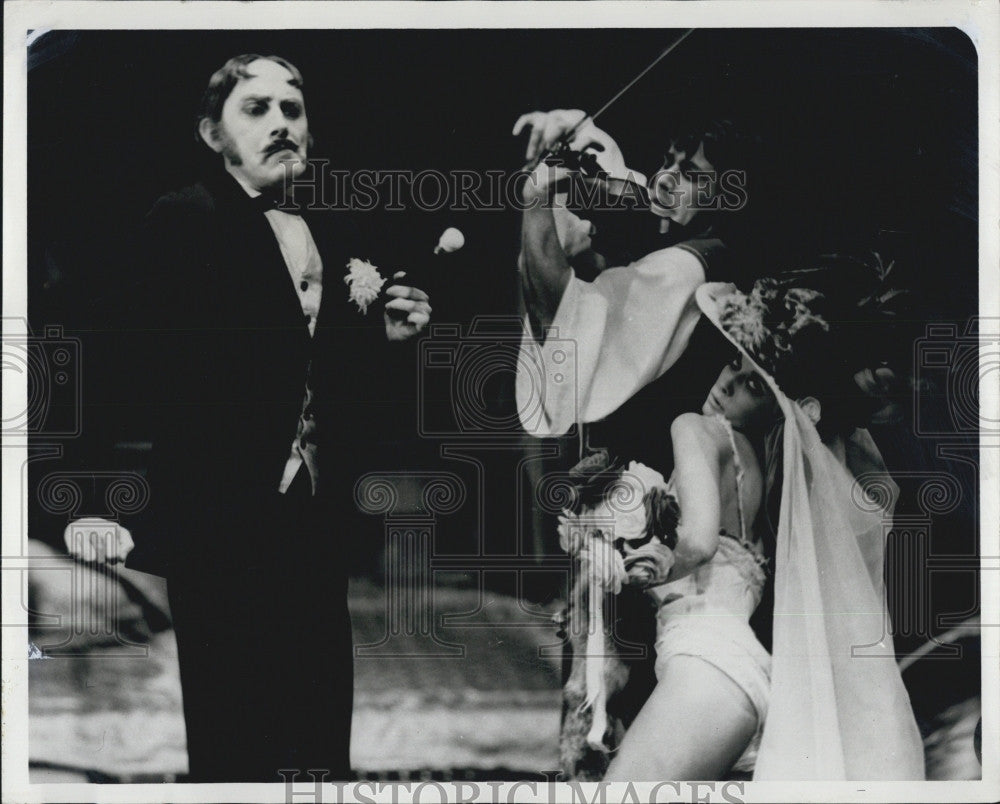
[[365, 283], [647, 478], [630, 523], [571, 532]]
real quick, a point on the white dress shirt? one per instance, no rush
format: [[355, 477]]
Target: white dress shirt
[[306, 271]]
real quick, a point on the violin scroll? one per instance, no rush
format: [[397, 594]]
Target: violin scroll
[[582, 162]]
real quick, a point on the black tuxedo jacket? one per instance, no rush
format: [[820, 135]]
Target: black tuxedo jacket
[[228, 352]]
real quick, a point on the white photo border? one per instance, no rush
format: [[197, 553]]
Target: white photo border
[[980, 21]]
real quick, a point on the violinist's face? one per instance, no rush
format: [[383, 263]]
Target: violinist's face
[[684, 185], [742, 396]]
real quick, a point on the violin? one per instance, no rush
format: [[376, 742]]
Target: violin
[[585, 168], [585, 163], [624, 229], [619, 208]]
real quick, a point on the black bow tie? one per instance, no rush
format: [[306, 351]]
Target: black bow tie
[[280, 201]]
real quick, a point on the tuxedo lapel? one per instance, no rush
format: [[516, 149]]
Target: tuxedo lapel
[[261, 275], [251, 269]]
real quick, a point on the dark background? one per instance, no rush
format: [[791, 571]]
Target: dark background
[[867, 130], [871, 137]]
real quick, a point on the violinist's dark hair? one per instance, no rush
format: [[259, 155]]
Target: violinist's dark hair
[[728, 146], [223, 80], [731, 148]]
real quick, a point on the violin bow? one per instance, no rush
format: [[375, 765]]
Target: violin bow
[[565, 138]]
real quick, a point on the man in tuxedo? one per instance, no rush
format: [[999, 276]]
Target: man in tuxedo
[[264, 384]]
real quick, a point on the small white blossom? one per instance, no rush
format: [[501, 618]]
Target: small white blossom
[[572, 533], [631, 523], [365, 283], [451, 240]]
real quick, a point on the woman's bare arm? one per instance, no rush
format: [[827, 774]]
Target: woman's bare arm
[[699, 452]]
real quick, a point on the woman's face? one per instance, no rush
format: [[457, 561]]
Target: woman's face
[[742, 396]]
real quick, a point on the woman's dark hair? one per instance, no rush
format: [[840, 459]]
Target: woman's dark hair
[[221, 84], [773, 470], [843, 408], [862, 309]]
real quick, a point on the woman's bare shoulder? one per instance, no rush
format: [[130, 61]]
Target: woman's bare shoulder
[[707, 430], [716, 436], [690, 423]]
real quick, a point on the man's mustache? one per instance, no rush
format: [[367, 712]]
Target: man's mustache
[[280, 145]]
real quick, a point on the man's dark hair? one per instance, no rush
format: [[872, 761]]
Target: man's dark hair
[[221, 84], [727, 145], [734, 145]]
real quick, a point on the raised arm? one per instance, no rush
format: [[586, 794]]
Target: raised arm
[[544, 267], [699, 452], [543, 263]]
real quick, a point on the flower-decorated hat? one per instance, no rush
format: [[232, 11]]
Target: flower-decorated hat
[[781, 328], [808, 332]]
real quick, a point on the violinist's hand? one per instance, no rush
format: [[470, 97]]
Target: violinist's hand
[[407, 313], [548, 127], [98, 540]]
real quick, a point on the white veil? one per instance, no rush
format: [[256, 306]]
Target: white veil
[[838, 707]]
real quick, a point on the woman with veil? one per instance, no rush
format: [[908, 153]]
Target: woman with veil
[[766, 479]]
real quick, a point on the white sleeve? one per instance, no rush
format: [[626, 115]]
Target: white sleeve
[[609, 339]]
